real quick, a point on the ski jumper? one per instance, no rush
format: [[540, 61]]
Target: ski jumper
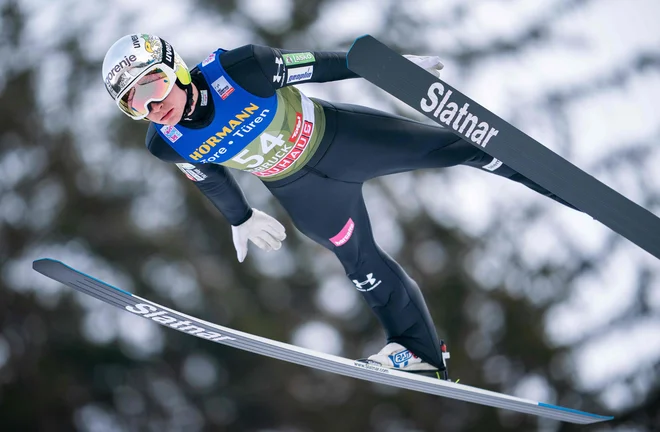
[[314, 156]]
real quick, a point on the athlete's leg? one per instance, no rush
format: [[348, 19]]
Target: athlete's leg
[[333, 214], [370, 143], [487, 163]]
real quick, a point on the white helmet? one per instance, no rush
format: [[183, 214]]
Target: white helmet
[[130, 60]]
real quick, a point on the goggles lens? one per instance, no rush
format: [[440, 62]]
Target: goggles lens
[[153, 87]]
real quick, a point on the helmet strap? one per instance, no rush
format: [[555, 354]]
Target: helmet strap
[[187, 110]]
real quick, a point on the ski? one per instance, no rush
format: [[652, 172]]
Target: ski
[[451, 109], [234, 338]]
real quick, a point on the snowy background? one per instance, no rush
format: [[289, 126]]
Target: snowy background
[[534, 299]]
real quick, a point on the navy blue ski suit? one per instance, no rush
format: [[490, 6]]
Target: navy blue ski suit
[[324, 197]]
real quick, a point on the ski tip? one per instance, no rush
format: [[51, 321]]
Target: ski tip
[[574, 411], [63, 273], [43, 263], [358, 39]]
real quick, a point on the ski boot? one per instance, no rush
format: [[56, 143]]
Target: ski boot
[[398, 357]]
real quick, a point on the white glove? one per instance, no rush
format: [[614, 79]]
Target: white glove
[[264, 231], [431, 63]]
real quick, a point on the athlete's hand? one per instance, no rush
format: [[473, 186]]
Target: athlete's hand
[[431, 63], [263, 230]]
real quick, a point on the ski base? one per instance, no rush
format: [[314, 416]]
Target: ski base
[[478, 126]]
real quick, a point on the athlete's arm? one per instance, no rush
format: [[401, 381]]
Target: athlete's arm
[[261, 70], [215, 181]]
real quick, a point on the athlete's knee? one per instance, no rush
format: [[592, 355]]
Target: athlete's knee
[[354, 257]]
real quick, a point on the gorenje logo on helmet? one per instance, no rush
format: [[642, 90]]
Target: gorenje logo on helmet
[[126, 62]]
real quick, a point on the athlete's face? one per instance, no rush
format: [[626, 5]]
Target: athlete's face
[[169, 111]]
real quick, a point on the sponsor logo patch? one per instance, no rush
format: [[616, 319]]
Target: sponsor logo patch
[[345, 234], [298, 58], [191, 172], [240, 126], [297, 129], [299, 74], [171, 132], [495, 164], [401, 359], [222, 86], [281, 70], [208, 59], [370, 283]]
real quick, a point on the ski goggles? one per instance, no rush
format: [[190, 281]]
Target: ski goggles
[[154, 85]]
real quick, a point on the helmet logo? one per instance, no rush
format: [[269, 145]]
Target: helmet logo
[[126, 62], [147, 43], [168, 53]]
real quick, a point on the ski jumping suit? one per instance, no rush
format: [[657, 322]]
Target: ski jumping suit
[[314, 157]]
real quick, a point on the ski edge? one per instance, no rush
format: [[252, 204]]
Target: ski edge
[[574, 411]]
